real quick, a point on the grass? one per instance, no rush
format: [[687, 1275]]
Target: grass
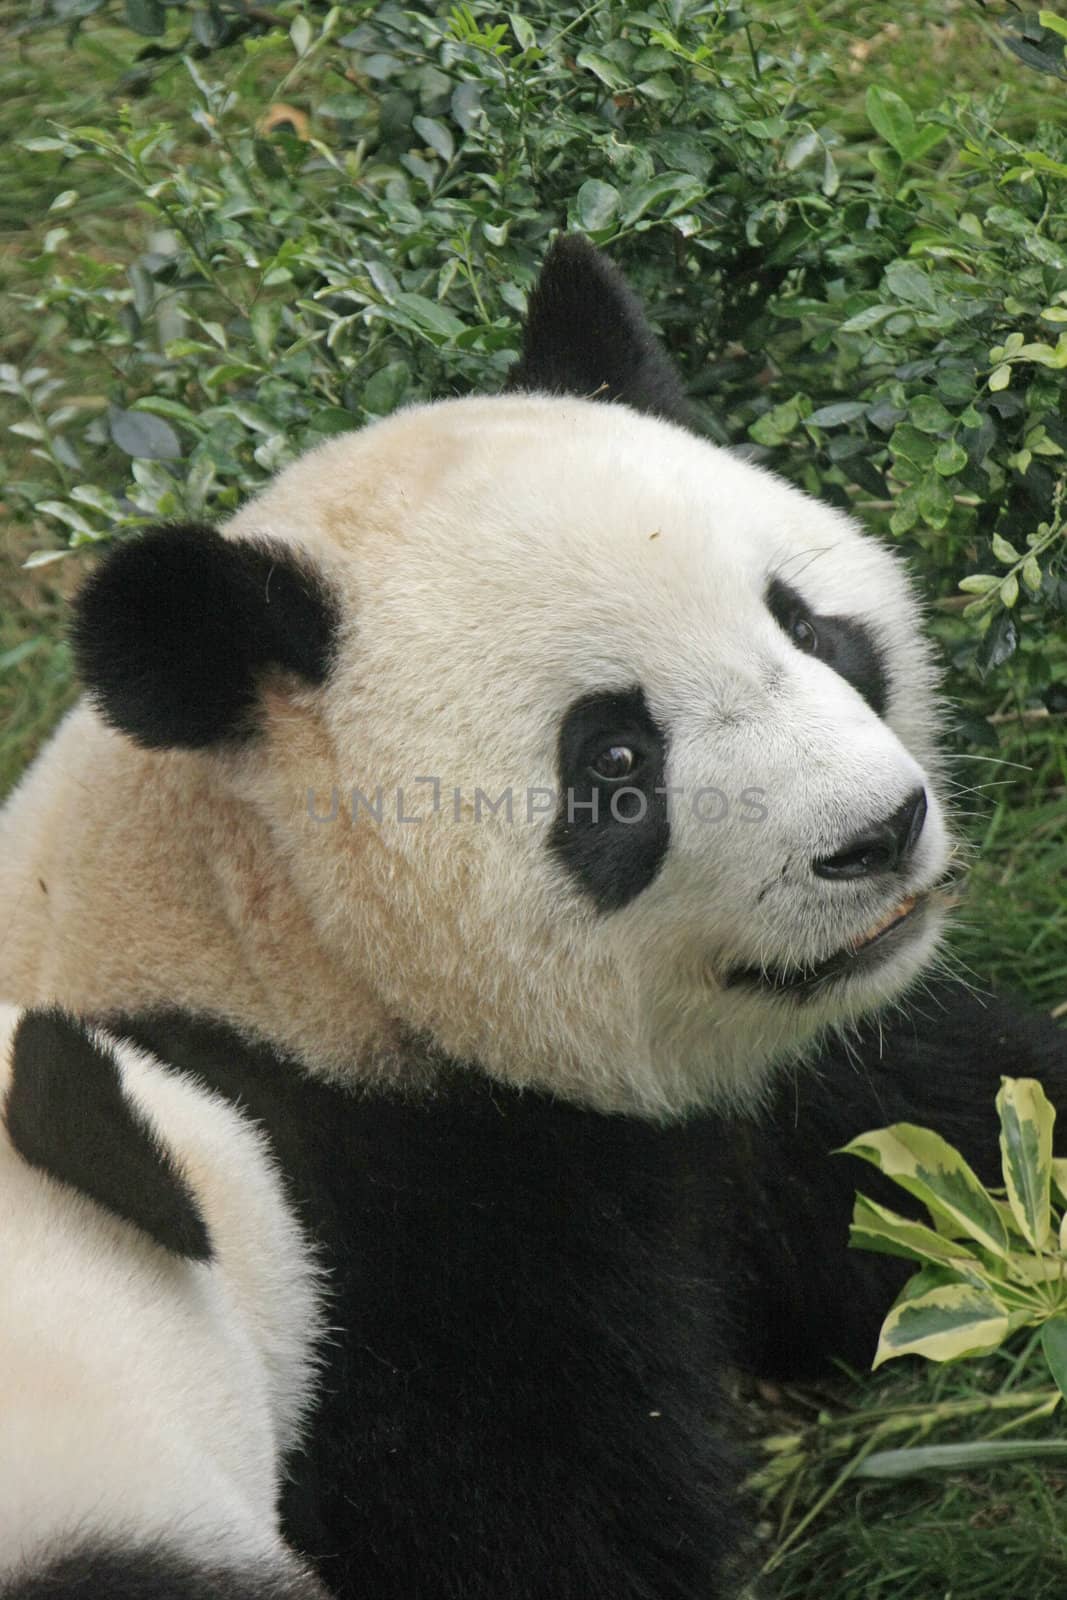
[[978, 1533], [982, 1534], [1012, 928]]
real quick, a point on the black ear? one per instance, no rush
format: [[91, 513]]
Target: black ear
[[586, 334], [173, 629], [67, 1115]]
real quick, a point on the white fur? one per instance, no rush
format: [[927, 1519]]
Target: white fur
[[145, 1396], [527, 552], [496, 559]]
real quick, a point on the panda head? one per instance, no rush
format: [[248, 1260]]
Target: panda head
[[599, 756], [157, 1328]]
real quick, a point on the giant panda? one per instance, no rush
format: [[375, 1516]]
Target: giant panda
[[521, 808], [160, 1315], [533, 726]]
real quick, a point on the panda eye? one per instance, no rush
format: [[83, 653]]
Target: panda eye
[[616, 762], [803, 635]]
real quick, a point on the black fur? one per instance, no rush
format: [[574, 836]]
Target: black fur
[[523, 1398], [173, 630], [804, 1298], [611, 836], [153, 1573], [586, 334], [535, 1303], [66, 1114], [845, 645]]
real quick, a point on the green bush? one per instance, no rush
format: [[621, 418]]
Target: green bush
[[876, 306]]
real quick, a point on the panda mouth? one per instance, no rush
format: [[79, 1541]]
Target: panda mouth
[[859, 955]]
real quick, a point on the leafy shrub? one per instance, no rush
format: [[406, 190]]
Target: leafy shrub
[[350, 216], [992, 1261]]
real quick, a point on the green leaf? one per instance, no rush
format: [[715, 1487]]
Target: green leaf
[[910, 284], [1000, 378], [1034, 56], [979, 583], [1026, 1121], [161, 407], [926, 140], [338, 108], [1054, 1344], [1055, 24], [436, 135], [802, 148], [929, 1168], [300, 34], [524, 34], [64, 513], [870, 317], [641, 197], [603, 68], [385, 389], [44, 146], [1004, 551], [935, 500], [1047, 355], [87, 494], [945, 1324], [833, 416], [43, 558], [891, 118], [329, 420], [143, 436], [253, 417], [928, 414], [1009, 589], [950, 458], [430, 317], [596, 205], [265, 320], [1032, 576], [912, 444], [971, 1456], [775, 426]]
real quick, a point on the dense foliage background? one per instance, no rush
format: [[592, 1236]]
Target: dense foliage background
[[232, 229]]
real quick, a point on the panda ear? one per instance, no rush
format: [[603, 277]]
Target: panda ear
[[586, 334], [67, 1115], [173, 630]]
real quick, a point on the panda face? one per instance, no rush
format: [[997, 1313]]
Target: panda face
[[637, 738], [615, 772]]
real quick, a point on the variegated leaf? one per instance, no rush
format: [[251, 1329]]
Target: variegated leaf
[[1026, 1120], [1054, 1344], [1059, 1176], [876, 1227], [930, 1169], [945, 1324], [1026, 1268]]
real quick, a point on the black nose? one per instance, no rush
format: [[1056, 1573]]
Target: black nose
[[881, 847]]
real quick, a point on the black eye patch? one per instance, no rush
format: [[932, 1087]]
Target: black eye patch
[[611, 829], [845, 645]]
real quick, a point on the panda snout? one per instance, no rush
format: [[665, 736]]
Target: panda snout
[[880, 847]]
